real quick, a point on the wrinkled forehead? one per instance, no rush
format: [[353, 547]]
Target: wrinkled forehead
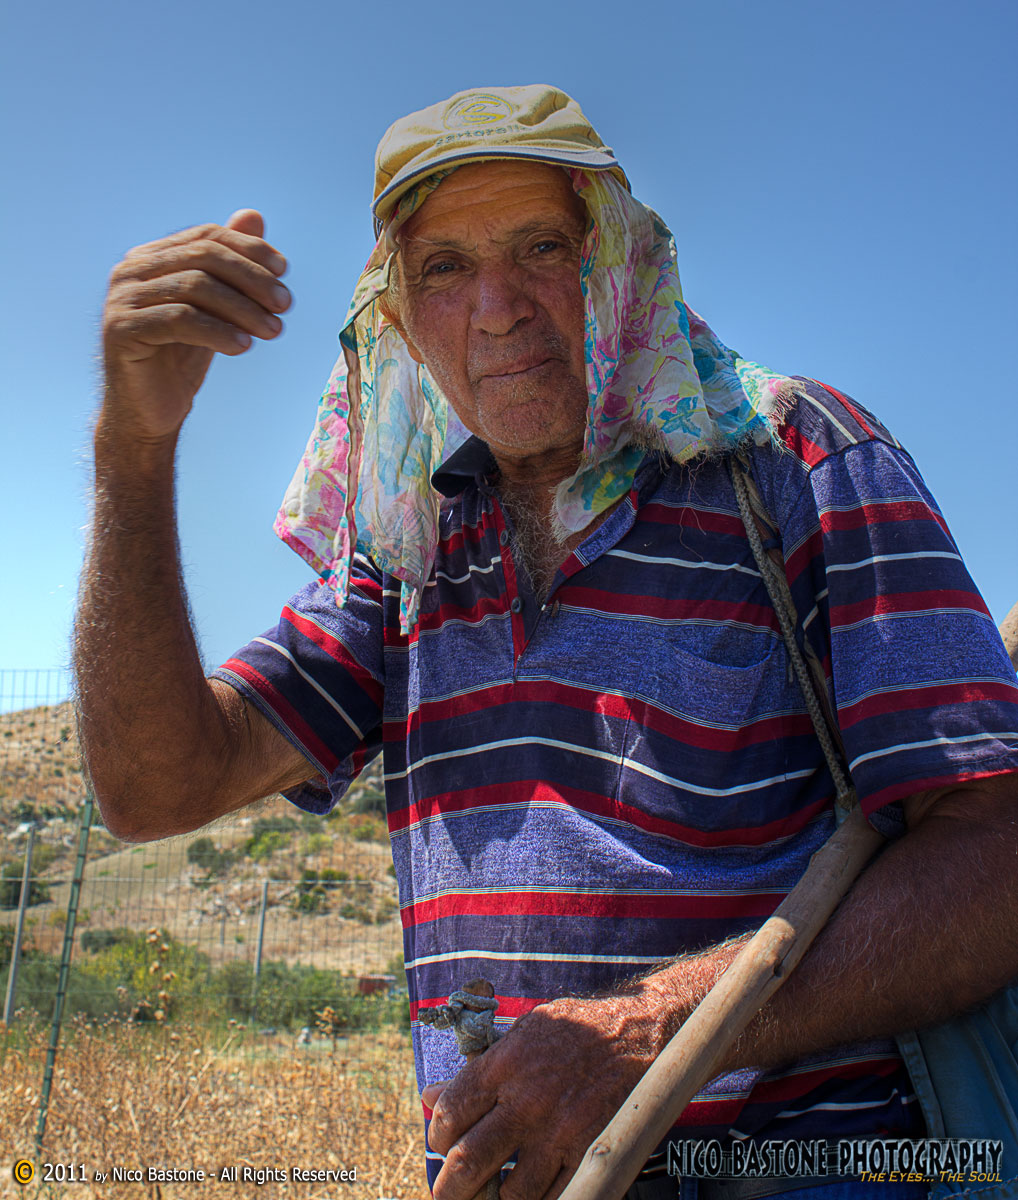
[[497, 196]]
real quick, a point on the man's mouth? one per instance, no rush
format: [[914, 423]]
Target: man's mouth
[[516, 370]]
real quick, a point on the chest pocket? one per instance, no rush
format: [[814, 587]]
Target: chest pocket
[[708, 735]]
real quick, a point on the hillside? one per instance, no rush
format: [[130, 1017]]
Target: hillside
[[331, 896], [40, 773]]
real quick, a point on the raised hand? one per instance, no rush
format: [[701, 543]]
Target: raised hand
[[172, 304]]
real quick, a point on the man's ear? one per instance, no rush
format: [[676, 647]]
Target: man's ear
[[415, 354], [390, 303]]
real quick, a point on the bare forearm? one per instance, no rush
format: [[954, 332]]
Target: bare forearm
[[166, 751], [148, 719], [928, 930]]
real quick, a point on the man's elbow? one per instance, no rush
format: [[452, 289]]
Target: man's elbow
[[146, 815]]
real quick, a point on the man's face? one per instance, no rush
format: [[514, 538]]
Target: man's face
[[491, 302]]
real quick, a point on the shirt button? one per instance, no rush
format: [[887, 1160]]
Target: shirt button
[[503, 538], [517, 605]]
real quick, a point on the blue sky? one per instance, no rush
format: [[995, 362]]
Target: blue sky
[[840, 179]]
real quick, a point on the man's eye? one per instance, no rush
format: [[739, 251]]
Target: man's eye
[[442, 267], [547, 245]]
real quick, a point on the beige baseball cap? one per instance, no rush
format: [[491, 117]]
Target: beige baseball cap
[[536, 121]]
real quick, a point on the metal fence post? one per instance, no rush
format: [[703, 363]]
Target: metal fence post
[[261, 931], [12, 974], [65, 968], [258, 947]]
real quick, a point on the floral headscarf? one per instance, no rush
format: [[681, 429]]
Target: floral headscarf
[[656, 374]]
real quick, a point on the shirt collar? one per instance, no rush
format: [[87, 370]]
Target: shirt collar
[[470, 463], [474, 462]]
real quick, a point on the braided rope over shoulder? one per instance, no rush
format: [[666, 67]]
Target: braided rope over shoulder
[[814, 691]]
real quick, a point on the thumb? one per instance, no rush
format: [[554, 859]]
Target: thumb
[[247, 220], [432, 1092]]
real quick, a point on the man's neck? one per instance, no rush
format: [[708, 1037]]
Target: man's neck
[[529, 508], [545, 469], [534, 547]]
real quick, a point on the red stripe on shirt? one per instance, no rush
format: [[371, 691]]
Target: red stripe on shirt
[[624, 604], [887, 703], [533, 693], [651, 906], [537, 791], [282, 707], [337, 651], [855, 413], [904, 604]]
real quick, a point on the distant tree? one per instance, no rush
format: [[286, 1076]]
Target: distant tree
[[204, 853], [10, 886]]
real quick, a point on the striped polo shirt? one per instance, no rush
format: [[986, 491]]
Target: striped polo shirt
[[583, 785]]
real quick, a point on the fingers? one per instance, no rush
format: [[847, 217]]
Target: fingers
[[545, 1091], [541, 1171], [459, 1104], [216, 259], [475, 1158], [180, 325], [247, 220], [212, 296], [536, 1178], [242, 242], [172, 304], [227, 279], [432, 1092]]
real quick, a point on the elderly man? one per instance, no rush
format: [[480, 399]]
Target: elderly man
[[538, 600]]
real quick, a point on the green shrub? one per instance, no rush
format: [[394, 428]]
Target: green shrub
[[357, 912], [368, 799], [117, 980], [365, 828], [314, 886], [146, 967], [275, 824], [10, 886], [286, 996], [6, 944], [266, 843], [37, 988], [98, 939], [206, 855], [292, 996], [230, 989], [42, 858], [317, 842], [309, 900]]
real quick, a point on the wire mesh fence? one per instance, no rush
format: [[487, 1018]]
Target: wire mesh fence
[[233, 997]]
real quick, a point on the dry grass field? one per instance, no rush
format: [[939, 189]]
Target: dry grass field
[[138, 1097]]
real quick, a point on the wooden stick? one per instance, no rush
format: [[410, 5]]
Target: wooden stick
[[692, 1056]]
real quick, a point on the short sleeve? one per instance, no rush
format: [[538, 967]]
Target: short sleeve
[[924, 691], [318, 676]]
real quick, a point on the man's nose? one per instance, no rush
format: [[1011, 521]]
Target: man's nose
[[500, 301]]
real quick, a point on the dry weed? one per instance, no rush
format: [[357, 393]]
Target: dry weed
[[139, 1097]]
